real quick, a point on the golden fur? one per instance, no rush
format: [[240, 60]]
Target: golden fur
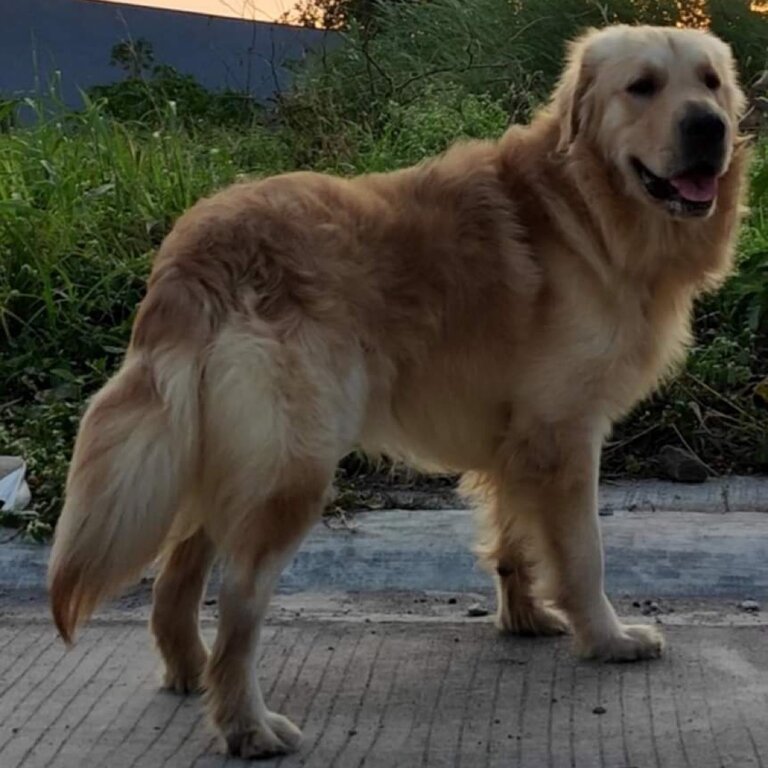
[[491, 311]]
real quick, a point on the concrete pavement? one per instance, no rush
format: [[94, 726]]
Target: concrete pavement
[[431, 690], [369, 647]]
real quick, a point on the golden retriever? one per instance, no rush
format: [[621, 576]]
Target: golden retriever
[[491, 312]]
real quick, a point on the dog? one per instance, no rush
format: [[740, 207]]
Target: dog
[[490, 312]]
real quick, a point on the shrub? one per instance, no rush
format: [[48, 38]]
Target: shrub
[[416, 131], [508, 50], [146, 100]]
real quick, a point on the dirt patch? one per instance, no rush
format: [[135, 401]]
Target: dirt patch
[[362, 485]]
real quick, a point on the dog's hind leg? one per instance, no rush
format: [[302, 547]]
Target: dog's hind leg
[[279, 416], [177, 593], [235, 701]]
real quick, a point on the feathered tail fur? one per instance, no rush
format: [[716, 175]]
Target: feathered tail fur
[[135, 453]]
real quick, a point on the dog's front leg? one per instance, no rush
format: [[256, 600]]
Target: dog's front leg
[[558, 504]]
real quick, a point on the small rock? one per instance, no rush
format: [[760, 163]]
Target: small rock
[[751, 606], [681, 466], [476, 610], [650, 608], [635, 603], [352, 732], [451, 601], [599, 711], [606, 512], [211, 601]]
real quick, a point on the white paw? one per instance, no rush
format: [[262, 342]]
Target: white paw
[[634, 642], [285, 730], [276, 736]]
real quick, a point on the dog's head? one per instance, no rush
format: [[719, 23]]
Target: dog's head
[[661, 105]]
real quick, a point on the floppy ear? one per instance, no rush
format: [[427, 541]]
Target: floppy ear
[[568, 101]]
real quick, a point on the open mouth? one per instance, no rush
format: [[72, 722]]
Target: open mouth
[[691, 193]]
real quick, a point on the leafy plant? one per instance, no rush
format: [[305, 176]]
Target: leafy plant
[[150, 99], [133, 56], [509, 50]]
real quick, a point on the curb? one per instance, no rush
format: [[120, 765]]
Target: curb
[[661, 539]]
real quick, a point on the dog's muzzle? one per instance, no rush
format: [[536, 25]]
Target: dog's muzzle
[[691, 189]]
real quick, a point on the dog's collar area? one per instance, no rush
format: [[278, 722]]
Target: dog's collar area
[[690, 193]]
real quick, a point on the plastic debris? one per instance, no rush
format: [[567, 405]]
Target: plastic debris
[[14, 491]]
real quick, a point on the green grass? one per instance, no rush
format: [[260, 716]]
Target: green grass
[[84, 202], [86, 198]]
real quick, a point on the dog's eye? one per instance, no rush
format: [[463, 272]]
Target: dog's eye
[[712, 81], [645, 86]]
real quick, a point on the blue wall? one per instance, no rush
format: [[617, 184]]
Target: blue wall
[[75, 37]]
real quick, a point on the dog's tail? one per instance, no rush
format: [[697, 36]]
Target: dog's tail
[[136, 451]]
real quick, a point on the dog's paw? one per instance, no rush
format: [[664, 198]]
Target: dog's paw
[[533, 620], [185, 677], [277, 735], [285, 730], [635, 642]]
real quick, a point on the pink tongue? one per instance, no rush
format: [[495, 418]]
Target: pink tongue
[[698, 189]]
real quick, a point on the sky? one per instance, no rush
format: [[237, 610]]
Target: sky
[[258, 10]]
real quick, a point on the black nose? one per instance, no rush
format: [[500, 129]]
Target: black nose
[[702, 133], [705, 127]]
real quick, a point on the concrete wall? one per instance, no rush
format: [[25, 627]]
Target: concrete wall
[[75, 37]]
